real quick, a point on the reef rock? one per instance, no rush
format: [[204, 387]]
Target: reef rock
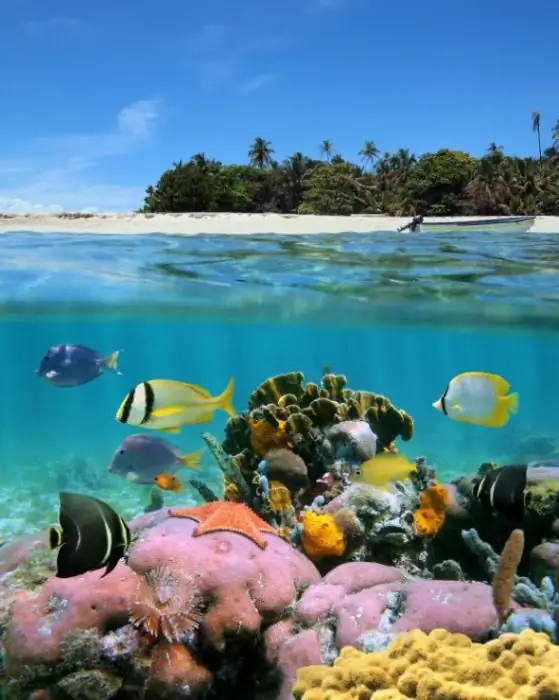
[[366, 606], [184, 616]]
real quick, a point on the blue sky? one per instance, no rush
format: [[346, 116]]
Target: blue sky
[[99, 98]]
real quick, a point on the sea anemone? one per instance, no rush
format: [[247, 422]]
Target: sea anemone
[[168, 605]]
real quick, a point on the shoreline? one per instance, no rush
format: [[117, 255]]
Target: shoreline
[[221, 223]]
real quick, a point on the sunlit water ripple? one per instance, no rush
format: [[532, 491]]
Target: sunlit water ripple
[[476, 276]]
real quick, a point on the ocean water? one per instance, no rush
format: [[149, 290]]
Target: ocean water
[[397, 315]]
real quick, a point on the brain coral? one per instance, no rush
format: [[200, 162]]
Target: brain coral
[[439, 666]]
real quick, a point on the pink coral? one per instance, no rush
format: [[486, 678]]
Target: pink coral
[[241, 587]]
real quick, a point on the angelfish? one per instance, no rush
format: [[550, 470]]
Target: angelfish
[[479, 398], [168, 405], [90, 536]]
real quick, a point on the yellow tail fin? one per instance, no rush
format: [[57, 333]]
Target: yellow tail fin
[[192, 459], [512, 402], [225, 400], [111, 362], [55, 537]]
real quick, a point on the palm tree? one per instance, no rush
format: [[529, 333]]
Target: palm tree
[[536, 129], [555, 136], [368, 153], [327, 149], [260, 153]]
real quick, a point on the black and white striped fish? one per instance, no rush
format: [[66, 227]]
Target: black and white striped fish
[[502, 490], [90, 536]]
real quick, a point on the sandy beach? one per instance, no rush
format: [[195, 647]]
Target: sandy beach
[[234, 224]]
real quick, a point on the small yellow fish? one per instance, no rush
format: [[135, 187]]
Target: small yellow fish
[[478, 398], [168, 405], [382, 469]]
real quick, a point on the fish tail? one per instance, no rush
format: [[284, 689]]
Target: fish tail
[[111, 361], [192, 459], [55, 537], [512, 402], [225, 400]]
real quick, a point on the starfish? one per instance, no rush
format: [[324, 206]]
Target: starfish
[[226, 516]]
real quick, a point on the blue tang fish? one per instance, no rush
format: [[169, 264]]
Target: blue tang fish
[[67, 365], [141, 458]]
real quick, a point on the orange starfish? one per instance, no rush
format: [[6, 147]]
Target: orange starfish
[[226, 516]]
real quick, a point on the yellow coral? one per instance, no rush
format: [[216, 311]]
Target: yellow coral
[[231, 492], [430, 516], [279, 498], [321, 536], [439, 666]]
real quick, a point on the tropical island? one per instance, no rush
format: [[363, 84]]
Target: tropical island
[[445, 183]]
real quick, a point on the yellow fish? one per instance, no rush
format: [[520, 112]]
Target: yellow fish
[[479, 398], [168, 405], [382, 469]]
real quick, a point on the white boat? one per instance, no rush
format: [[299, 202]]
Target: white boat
[[506, 224]]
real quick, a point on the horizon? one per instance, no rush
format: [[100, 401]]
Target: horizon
[[98, 110]]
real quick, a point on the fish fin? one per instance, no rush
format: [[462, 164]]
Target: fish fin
[[116, 556], [167, 411], [192, 459], [111, 361], [512, 402], [225, 400], [500, 384], [500, 415], [55, 537], [174, 385], [174, 431]]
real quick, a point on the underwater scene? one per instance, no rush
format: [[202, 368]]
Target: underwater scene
[[267, 467]]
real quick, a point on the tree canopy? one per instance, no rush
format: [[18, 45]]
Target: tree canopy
[[444, 183]]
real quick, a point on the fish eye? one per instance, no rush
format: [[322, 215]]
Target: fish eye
[[121, 452]]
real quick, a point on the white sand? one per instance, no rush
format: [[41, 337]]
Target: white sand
[[235, 224]]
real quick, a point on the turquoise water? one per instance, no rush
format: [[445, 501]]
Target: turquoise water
[[398, 316]]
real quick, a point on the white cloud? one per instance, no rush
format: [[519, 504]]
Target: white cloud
[[139, 119], [256, 82], [58, 176]]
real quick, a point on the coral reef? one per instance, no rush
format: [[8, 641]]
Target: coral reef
[[439, 666], [325, 426], [184, 615], [318, 536]]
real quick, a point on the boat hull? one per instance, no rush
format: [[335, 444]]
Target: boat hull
[[507, 224]]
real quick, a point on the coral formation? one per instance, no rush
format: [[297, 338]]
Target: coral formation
[[321, 425], [321, 536], [430, 516], [503, 580], [439, 666]]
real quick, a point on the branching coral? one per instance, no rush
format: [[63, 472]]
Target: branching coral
[[285, 412], [439, 666]]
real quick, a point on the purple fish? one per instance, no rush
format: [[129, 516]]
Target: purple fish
[[67, 365], [140, 458]]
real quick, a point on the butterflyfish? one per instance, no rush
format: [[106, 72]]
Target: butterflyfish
[[478, 398]]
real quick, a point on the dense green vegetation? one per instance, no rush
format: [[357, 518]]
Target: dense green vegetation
[[443, 183]]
